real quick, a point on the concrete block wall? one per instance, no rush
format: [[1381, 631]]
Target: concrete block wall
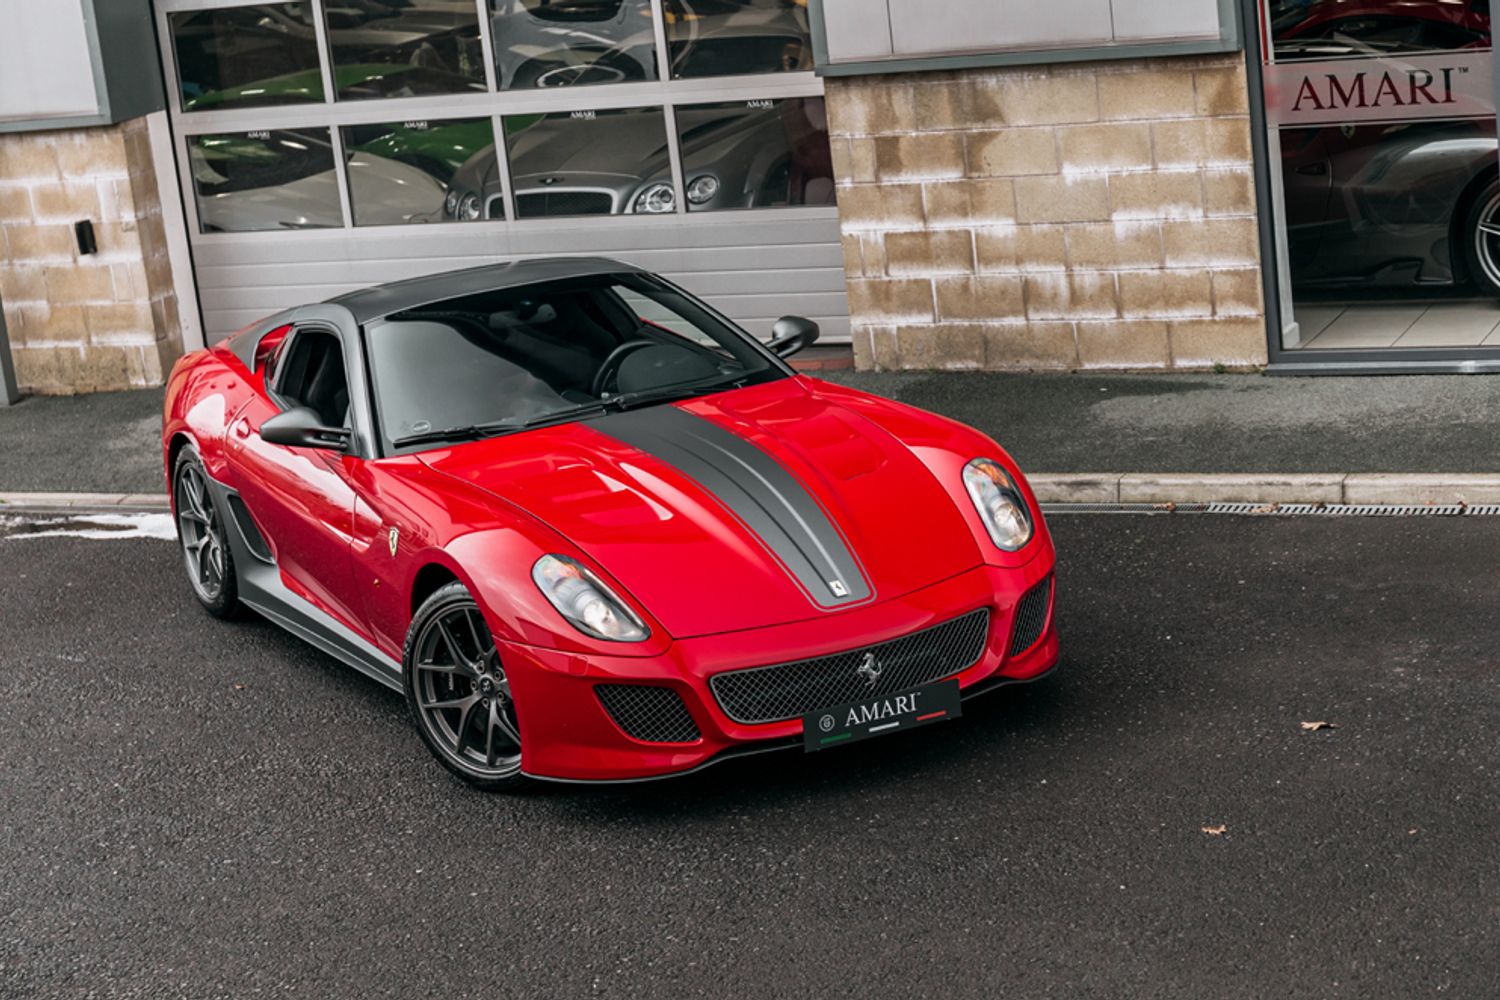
[[84, 323], [1097, 215]]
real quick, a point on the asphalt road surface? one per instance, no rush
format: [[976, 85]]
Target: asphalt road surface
[[195, 809]]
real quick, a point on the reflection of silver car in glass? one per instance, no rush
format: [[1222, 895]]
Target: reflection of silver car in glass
[[734, 157], [560, 43], [286, 180], [1408, 203]]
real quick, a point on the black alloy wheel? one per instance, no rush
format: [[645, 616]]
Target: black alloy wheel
[[201, 533], [459, 694]]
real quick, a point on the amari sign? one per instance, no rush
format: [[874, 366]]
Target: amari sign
[[1339, 91]]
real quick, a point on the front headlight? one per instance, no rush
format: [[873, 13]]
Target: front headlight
[[999, 503], [450, 203], [655, 199], [468, 207], [581, 598], [702, 189]]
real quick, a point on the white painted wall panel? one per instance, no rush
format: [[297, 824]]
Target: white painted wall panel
[[1146, 20], [45, 66]]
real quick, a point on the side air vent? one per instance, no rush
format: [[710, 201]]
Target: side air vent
[[1031, 617], [648, 713], [253, 538]]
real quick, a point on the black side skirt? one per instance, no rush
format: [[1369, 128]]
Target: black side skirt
[[261, 588]]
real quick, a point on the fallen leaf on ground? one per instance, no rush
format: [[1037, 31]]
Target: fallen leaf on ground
[[1216, 831], [1313, 727], [241, 687]]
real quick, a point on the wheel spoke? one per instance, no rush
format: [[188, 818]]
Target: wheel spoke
[[462, 729], [480, 646], [458, 654], [454, 669], [1490, 228], [499, 720], [489, 734], [466, 702]]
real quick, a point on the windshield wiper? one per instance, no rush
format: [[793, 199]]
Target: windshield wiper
[[650, 397], [473, 432]]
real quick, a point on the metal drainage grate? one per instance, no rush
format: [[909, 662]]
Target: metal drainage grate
[[1280, 509], [1031, 617], [787, 690], [648, 713]]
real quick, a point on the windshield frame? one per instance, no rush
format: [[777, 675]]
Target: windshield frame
[[776, 369]]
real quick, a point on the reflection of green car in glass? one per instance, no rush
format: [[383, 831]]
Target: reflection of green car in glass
[[357, 81], [439, 148]]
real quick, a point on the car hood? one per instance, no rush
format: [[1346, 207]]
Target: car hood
[[761, 506]]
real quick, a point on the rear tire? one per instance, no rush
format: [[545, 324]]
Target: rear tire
[[1481, 239], [202, 535], [458, 693]]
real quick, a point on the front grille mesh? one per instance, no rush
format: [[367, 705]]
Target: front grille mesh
[[789, 690], [649, 713], [1031, 617], [563, 203]]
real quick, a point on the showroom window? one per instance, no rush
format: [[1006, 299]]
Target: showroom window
[[1381, 132], [643, 108]]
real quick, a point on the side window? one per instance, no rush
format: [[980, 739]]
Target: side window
[[311, 373]]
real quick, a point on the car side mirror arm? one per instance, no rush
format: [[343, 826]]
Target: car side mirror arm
[[301, 427], [790, 334]]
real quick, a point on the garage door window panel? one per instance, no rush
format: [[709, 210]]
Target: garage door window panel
[[422, 171], [409, 49], [755, 154], [734, 37], [265, 180], [572, 43], [246, 57], [610, 162]]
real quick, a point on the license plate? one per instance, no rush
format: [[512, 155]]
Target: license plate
[[879, 715]]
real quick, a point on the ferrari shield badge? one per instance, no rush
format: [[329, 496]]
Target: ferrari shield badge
[[393, 537]]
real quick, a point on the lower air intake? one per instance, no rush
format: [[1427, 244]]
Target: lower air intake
[[648, 713], [1031, 617], [787, 690]]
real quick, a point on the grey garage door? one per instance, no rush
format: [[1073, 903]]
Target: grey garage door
[[325, 145]]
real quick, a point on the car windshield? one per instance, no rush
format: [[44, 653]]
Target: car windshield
[[510, 359]]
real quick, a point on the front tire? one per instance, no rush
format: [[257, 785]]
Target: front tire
[[203, 538], [459, 694]]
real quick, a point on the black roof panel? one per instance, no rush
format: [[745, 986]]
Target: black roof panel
[[382, 300]]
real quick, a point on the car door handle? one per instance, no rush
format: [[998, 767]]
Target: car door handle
[[242, 428]]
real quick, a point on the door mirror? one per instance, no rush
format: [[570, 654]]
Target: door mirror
[[790, 334], [301, 427]]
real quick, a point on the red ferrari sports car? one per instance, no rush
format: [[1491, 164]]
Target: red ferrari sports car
[[594, 531]]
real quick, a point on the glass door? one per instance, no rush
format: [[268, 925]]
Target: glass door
[[1381, 122]]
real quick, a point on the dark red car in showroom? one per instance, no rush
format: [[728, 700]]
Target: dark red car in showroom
[[593, 530]]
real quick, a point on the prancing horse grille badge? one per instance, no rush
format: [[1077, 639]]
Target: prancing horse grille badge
[[870, 669]]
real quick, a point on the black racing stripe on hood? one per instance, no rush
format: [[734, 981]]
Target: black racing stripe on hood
[[757, 488]]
